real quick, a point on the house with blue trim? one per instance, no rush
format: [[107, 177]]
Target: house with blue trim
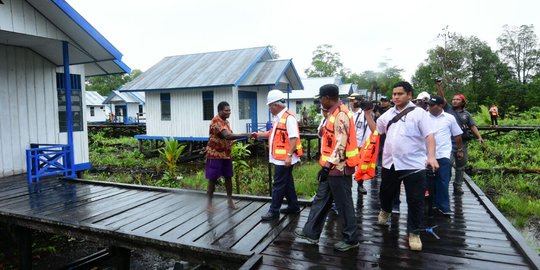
[[95, 111], [126, 107], [46, 51], [182, 92]]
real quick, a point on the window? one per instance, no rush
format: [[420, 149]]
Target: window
[[244, 108], [208, 105], [92, 113], [140, 109], [298, 107], [76, 102], [165, 99]]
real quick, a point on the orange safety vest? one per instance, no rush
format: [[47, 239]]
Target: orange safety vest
[[328, 143], [368, 158], [281, 143], [493, 111]]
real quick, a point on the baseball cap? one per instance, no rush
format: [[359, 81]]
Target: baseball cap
[[384, 98], [355, 96], [436, 100], [423, 95], [330, 90], [461, 96]]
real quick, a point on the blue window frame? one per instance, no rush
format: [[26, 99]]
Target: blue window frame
[[76, 102], [165, 99], [208, 105]]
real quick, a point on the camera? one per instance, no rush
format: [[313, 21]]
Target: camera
[[366, 105], [438, 79]]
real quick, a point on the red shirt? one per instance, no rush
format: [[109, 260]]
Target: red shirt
[[217, 147]]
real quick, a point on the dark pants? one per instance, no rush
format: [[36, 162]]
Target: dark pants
[[283, 188], [414, 190], [442, 181], [494, 121], [336, 189]]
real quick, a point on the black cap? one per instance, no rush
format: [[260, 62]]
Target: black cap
[[330, 90], [384, 98], [436, 100]]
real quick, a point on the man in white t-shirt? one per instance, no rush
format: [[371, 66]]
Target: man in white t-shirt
[[405, 158], [446, 128]]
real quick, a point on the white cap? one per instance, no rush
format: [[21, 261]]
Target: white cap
[[273, 96], [423, 95]]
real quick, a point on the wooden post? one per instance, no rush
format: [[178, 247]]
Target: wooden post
[[24, 246]]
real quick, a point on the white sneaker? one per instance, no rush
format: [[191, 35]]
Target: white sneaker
[[383, 217], [414, 242]]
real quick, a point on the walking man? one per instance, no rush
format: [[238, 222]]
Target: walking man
[[218, 153], [339, 156], [408, 132], [285, 150], [467, 125], [446, 128]]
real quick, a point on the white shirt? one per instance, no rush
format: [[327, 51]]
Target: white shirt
[[362, 129], [445, 127], [405, 145], [292, 131]]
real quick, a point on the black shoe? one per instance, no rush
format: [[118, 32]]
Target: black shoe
[[458, 190], [289, 210], [361, 189], [269, 216]]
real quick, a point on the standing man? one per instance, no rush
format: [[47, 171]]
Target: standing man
[[362, 112], [467, 125], [339, 156], [494, 113], [408, 132], [446, 128], [218, 153], [285, 150]]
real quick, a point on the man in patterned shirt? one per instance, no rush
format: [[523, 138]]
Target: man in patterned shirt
[[218, 153]]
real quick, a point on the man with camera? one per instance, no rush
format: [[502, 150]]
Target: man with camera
[[467, 125], [446, 128], [362, 111]]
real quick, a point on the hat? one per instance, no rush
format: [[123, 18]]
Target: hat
[[436, 100], [423, 95], [273, 96], [330, 90], [356, 96], [384, 98], [461, 96]]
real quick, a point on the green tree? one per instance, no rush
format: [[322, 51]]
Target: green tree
[[325, 62], [519, 47], [273, 51], [106, 83]]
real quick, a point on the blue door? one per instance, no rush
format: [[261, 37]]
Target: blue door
[[247, 103], [120, 112]]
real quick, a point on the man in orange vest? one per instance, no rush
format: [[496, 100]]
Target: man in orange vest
[[285, 150], [494, 113], [339, 156]]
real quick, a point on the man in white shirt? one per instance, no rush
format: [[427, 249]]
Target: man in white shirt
[[284, 162], [404, 158], [446, 128], [364, 123]]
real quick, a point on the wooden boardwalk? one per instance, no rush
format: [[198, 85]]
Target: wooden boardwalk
[[177, 223]]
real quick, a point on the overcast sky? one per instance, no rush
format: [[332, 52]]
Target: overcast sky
[[365, 33]]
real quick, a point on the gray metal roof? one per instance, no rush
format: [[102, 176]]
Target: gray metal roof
[[269, 73], [127, 97], [312, 85], [93, 98], [199, 70]]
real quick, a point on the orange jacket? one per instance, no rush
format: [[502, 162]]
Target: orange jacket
[[281, 143], [368, 158], [329, 139]]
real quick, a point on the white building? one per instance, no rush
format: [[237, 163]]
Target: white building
[[40, 41], [95, 111], [127, 107], [182, 92]]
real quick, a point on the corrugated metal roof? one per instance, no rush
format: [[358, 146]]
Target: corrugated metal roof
[[269, 73], [93, 98], [199, 70], [127, 97], [345, 89], [312, 85]]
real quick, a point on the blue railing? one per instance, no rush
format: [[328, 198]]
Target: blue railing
[[47, 159], [261, 127]]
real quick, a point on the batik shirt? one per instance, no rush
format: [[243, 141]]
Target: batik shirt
[[218, 147]]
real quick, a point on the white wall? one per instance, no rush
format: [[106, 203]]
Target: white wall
[[29, 104], [18, 16], [100, 115]]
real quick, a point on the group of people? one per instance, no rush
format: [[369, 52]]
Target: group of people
[[414, 138]]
